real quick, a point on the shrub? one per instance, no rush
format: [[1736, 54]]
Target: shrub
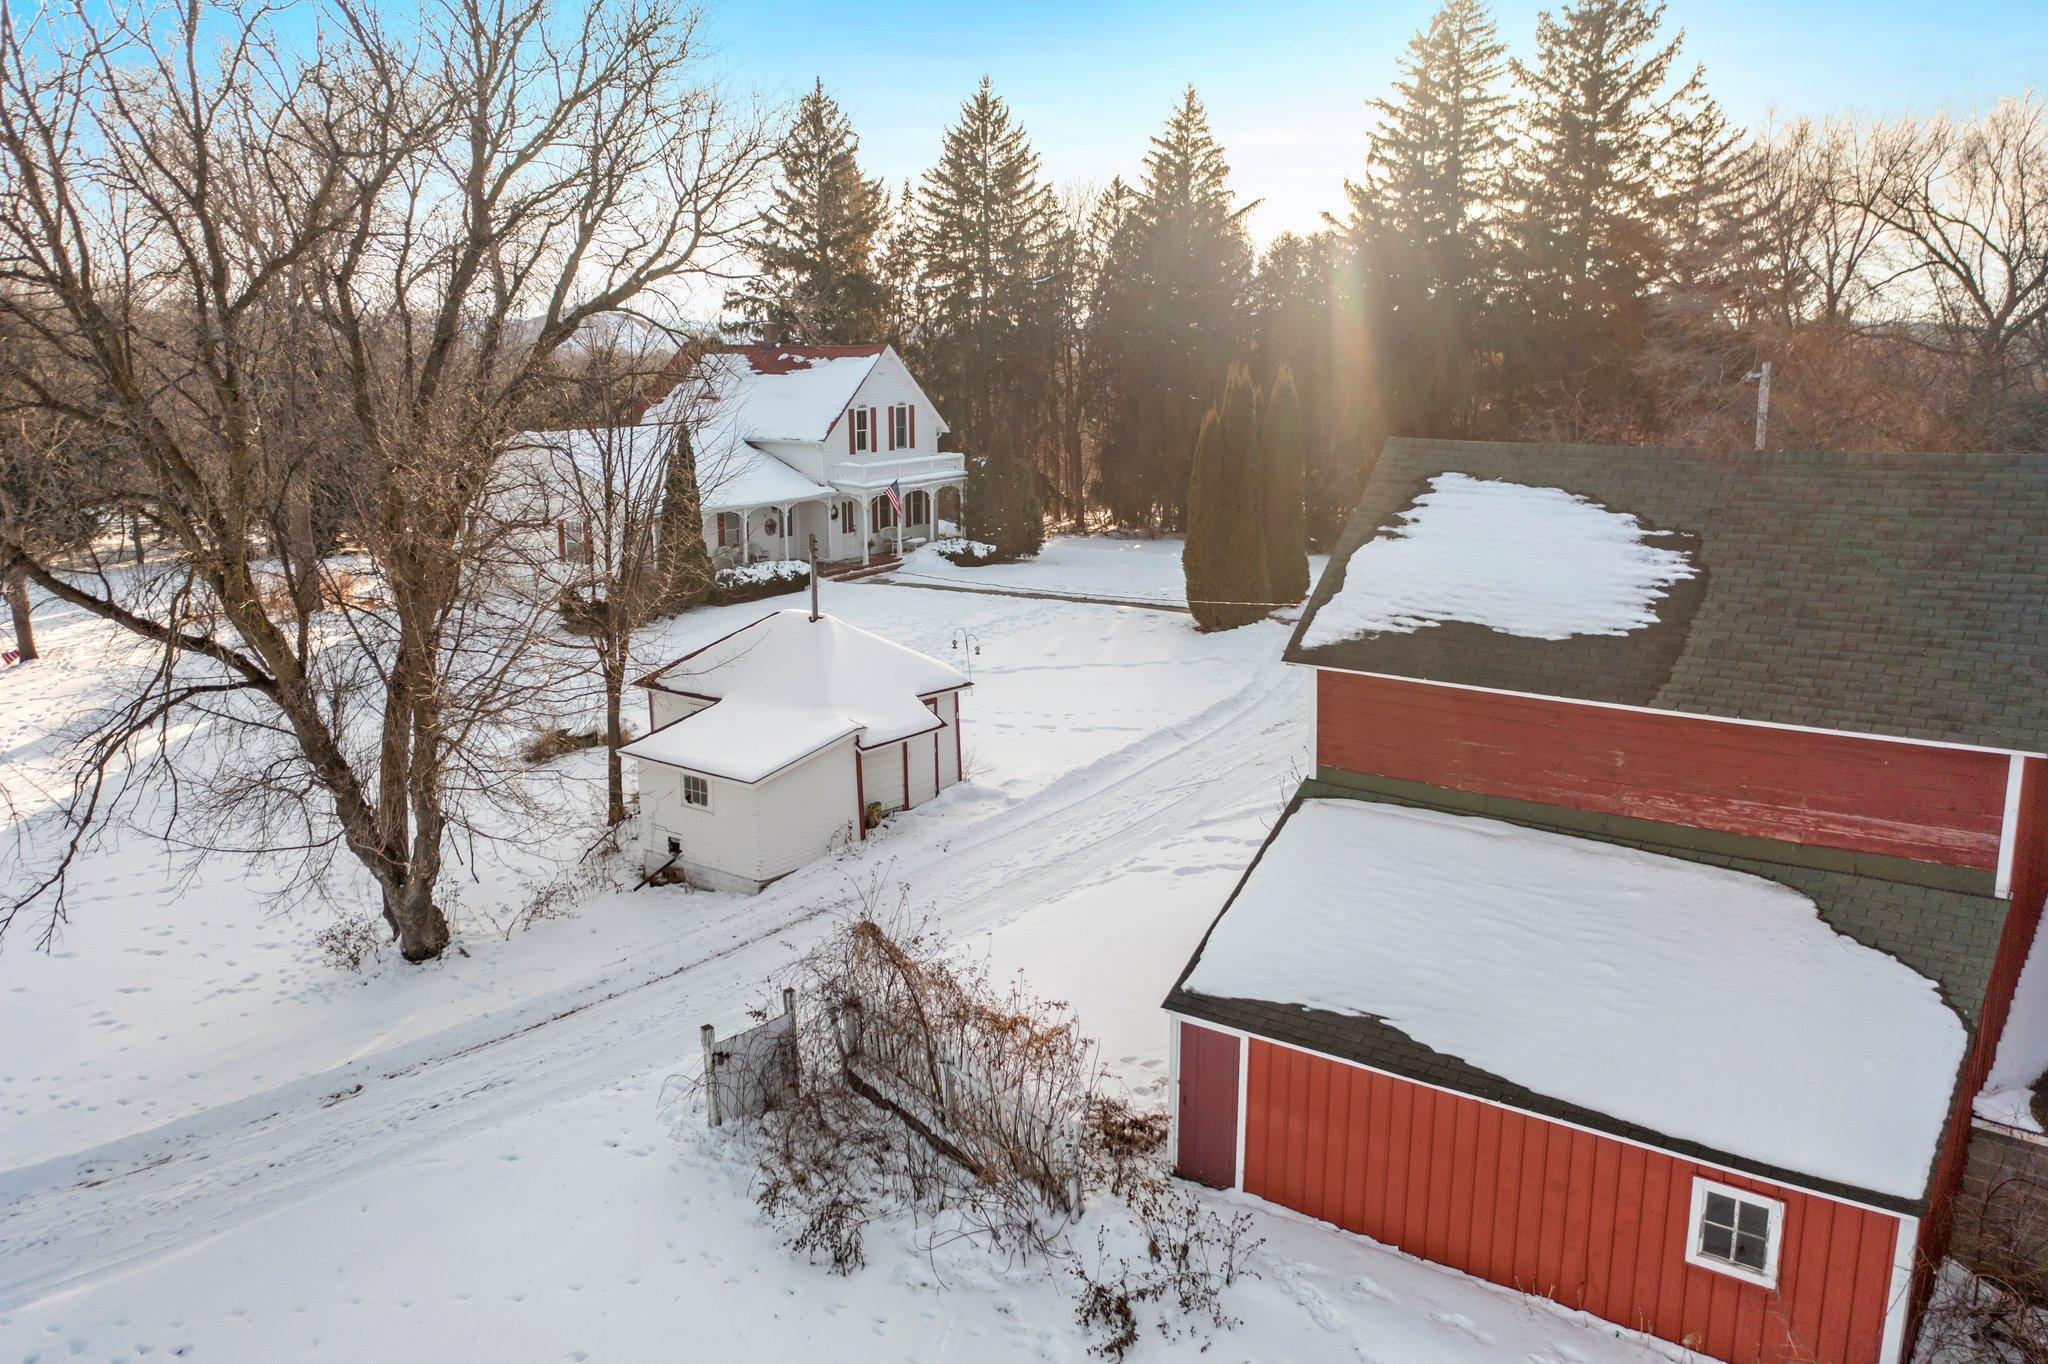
[[352, 942], [969, 553], [752, 582]]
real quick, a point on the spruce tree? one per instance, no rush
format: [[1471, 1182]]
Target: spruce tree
[[1282, 470], [1173, 316], [1002, 506], [1587, 239], [985, 220], [815, 250], [1224, 559], [1423, 237], [683, 562]]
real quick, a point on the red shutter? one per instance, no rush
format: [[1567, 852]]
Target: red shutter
[[562, 540], [913, 424], [849, 431], [892, 428]]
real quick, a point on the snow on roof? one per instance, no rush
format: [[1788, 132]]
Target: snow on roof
[[739, 476], [785, 687], [1538, 562], [1700, 1002], [786, 393]]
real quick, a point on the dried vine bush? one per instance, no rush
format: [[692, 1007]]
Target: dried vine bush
[[1999, 1313], [925, 1088]]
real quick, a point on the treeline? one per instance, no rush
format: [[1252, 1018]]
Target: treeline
[[1577, 246]]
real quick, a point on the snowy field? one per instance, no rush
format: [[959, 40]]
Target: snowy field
[[1105, 567], [215, 1146]]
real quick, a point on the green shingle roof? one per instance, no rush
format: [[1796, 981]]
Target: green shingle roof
[[1902, 595]]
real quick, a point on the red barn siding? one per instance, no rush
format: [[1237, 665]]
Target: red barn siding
[[1592, 1222], [2022, 922], [1906, 800], [1206, 1151]]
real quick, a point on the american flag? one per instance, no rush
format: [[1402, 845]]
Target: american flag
[[896, 498]]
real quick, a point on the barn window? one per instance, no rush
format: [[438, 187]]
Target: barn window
[[696, 790], [1735, 1232]]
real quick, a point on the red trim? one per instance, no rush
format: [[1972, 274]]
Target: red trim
[[935, 761], [959, 763], [860, 794], [906, 774]]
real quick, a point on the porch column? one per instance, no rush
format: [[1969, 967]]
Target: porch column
[[747, 535], [785, 534], [863, 499]]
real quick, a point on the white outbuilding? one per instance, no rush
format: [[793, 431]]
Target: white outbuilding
[[771, 746]]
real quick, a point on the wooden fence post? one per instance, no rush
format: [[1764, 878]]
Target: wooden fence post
[[710, 1036]]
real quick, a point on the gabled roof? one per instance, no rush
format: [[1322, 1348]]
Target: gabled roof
[[763, 393], [1631, 990], [1889, 594], [787, 686]]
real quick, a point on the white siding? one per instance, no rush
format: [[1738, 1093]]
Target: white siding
[[949, 739], [887, 384], [725, 836], [669, 708], [806, 810], [882, 776]]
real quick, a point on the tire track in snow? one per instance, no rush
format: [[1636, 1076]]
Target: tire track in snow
[[201, 1176]]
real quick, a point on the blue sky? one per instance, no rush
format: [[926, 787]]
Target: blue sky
[[1286, 82]]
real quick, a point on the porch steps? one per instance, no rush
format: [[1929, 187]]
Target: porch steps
[[855, 570]]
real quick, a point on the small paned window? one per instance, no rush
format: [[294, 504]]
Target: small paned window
[[696, 790], [1735, 1232], [899, 426], [863, 438]]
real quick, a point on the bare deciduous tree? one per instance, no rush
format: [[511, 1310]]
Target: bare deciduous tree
[[287, 292]]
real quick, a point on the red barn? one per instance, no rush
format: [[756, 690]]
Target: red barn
[[1678, 832]]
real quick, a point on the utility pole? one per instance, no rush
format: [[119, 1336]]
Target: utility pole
[[1761, 377]]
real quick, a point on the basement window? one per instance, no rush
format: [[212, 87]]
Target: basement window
[[1735, 1232], [696, 791]]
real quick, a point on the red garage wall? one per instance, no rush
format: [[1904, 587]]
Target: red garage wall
[[1206, 1072], [1869, 795], [1594, 1223]]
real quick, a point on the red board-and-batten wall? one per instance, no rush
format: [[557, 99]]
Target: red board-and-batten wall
[[1587, 1219]]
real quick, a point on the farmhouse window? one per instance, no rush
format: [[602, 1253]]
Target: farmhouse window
[[576, 542], [728, 529], [899, 426], [696, 790], [863, 433], [1735, 1232]]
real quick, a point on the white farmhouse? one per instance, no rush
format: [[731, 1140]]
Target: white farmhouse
[[771, 746], [795, 442]]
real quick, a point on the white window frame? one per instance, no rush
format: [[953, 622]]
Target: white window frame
[[863, 432], [1701, 1187], [899, 427], [704, 783]]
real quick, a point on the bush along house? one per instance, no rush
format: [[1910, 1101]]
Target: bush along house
[[1678, 831]]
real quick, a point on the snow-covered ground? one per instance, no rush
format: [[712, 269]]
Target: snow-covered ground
[[1144, 572], [214, 1145]]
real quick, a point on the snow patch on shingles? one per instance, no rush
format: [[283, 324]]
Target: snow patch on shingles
[[1537, 562], [1699, 1002]]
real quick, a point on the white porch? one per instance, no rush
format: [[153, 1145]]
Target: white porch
[[856, 524]]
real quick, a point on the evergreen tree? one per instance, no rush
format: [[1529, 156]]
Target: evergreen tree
[[1421, 231], [1282, 470], [1308, 324], [1002, 503], [905, 305], [815, 250], [1225, 556], [683, 562], [1172, 319], [1586, 232], [985, 220]]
